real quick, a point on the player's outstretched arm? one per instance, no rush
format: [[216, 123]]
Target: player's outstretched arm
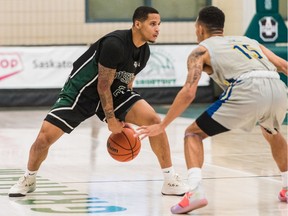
[[280, 63], [185, 96]]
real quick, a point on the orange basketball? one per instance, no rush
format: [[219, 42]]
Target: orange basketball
[[123, 146]]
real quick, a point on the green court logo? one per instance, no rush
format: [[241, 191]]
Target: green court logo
[[52, 197]]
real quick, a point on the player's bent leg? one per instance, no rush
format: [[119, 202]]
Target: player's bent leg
[[38, 152], [142, 113], [279, 149], [193, 146], [48, 134], [194, 155]]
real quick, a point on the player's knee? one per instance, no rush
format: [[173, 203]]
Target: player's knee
[[42, 142], [153, 119], [270, 135], [189, 132]]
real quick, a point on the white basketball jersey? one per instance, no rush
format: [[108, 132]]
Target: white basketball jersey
[[231, 56]]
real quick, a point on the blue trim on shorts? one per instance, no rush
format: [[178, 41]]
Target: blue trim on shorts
[[222, 99]]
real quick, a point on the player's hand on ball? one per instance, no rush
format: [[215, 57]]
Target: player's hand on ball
[[115, 126], [127, 125]]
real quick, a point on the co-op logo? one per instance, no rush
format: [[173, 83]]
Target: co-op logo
[[10, 64]]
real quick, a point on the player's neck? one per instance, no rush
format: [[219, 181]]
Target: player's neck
[[217, 32], [213, 35], [137, 38]]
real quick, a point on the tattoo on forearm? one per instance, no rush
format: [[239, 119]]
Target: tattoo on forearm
[[105, 79], [195, 66], [109, 114]]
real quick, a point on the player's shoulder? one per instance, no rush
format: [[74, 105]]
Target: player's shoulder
[[119, 35], [114, 39], [200, 48], [212, 41], [240, 39], [121, 38]]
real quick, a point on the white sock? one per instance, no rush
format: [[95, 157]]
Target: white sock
[[194, 177], [168, 173], [284, 179], [30, 173]]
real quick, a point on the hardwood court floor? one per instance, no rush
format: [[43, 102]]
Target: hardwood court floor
[[80, 178]]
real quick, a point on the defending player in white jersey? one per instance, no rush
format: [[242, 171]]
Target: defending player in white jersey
[[253, 93]]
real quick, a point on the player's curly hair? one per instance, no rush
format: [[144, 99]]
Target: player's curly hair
[[141, 13], [212, 17]]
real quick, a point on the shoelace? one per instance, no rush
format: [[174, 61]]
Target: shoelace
[[21, 180], [178, 179]]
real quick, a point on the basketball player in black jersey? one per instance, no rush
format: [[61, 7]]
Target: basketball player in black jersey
[[101, 83]]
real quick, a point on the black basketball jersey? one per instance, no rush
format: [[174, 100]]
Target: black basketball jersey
[[132, 59]]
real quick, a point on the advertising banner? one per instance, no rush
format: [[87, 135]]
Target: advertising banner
[[167, 67], [49, 66], [36, 67]]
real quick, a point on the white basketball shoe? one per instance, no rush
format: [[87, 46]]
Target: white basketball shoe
[[25, 184], [174, 186]]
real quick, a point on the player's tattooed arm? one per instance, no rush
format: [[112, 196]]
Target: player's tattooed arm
[[195, 66], [105, 79]]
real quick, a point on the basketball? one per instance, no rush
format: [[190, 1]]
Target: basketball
[[123, 146]]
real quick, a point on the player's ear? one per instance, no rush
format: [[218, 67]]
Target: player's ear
[[137, 24], [201, 30]]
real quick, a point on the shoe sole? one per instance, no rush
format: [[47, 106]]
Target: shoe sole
[[195, 205], [173, 194], [21, 195], [16, 195]]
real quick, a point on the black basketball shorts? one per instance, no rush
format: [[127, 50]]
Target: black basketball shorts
[[67, 114]]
